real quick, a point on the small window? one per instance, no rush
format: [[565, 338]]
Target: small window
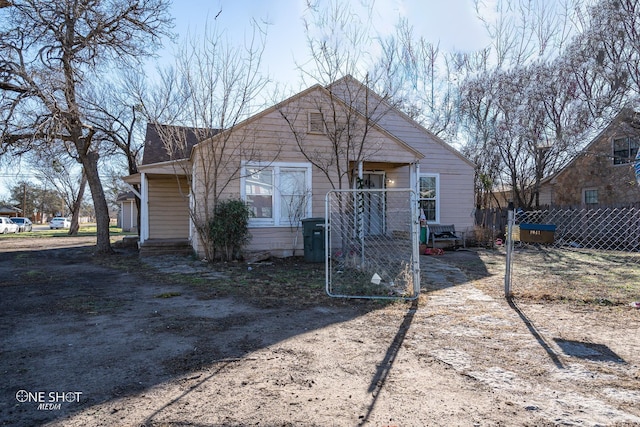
[[429, 197], [591, 197], [316, 123], [625, 149]]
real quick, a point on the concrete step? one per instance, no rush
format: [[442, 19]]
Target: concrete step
[[158, 247]]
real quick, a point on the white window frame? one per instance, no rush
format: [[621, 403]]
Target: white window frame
[[276, 221], [584, 196], [437, 198]]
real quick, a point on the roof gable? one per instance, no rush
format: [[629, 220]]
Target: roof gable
[[183, 138], [626, 122], [156, 151], [349, 80], [326, 92]]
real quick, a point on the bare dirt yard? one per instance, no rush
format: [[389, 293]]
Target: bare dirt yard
[[171, 341]]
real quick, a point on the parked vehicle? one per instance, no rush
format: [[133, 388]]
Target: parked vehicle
[[8, 226], [59, 222], [24, 224]]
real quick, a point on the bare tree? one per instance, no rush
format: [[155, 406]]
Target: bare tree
[[214, 86], [606, 59], [531, 104], [113, 110], [54, 165], [479, 116], [523, 124], [348, 109], [49, 50], [334, 122], [297, 200], [424, 80]]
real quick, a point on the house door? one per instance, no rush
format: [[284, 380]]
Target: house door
[[374, 203]]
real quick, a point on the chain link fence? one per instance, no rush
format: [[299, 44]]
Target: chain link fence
[[611, 229], [582, 255], [372, 244]]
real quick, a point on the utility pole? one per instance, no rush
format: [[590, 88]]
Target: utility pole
[[24, 199]]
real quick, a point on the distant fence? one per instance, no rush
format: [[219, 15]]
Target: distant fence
[[606, 228], [574, 255]]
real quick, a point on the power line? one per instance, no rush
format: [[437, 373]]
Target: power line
[[20, 175]]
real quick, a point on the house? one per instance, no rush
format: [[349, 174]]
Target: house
[[287, 153], [10, 211], [603, 172], [128, 211]]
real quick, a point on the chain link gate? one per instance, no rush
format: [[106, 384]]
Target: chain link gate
[[372, 244]]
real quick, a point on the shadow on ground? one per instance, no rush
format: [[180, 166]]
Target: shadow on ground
[[73, 327], [69, 325]]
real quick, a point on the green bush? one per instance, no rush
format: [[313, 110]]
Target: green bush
[[229, 229]]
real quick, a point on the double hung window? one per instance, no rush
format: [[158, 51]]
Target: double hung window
[[430, 197], [278, 194]]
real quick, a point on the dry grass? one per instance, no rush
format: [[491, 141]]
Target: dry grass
[[569, 275], [542, 274]]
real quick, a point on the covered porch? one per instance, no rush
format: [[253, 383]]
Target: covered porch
[[165, 225]]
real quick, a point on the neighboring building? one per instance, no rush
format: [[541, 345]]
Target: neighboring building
[[603, 173], [128, 212], [9, 211], [399, 153]]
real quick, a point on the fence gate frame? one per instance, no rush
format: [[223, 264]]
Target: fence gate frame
[[390, 260]]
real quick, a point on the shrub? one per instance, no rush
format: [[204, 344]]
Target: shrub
[[229, 229]]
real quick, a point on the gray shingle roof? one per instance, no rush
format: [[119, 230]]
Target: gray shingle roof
[[164, 142]]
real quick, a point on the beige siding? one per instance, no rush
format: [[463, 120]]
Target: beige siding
[[268, 137], [168, 208], [278, 240], [456, 173]]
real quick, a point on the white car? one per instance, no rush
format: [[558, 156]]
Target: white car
[[8, 226], [59, 222]]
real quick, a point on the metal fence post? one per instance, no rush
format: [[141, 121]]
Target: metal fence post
[[509, 241]]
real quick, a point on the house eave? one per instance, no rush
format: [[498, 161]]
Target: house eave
[[180, 167]]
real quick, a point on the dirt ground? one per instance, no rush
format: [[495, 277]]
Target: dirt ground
[[84, 343]]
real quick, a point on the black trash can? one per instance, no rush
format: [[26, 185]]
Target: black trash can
[[313, 234]]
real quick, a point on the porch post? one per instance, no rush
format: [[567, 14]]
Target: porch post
[[144, 208], [132, 214]]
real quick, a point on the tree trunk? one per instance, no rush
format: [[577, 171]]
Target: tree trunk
[[90, 164], [77, 204]]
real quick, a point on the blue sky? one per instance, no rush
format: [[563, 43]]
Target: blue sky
[[451, 23]]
